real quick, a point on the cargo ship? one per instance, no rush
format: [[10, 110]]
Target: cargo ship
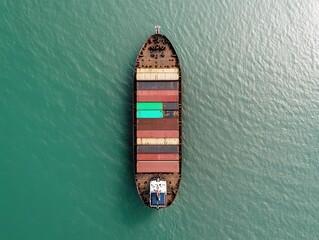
[[157, 122]]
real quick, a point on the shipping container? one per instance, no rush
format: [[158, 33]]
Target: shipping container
[[157, 85], [171, 114], [157, 141], [149, 106], [155, 74], [158, 149], [157, 70], [158, 124], [149, 114], [152, 121], [157, 134], [157, 156], [157, 166], [157, 92], [158, 98], [171, 106]]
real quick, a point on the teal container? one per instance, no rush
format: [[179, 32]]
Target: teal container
[[149, 114], [149, 106]]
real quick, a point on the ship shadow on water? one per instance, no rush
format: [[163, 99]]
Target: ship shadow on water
[[134, 209]]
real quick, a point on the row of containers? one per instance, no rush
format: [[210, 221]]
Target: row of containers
[[157, 130]]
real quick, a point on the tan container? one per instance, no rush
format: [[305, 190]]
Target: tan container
[[157, 141], [154, 74]]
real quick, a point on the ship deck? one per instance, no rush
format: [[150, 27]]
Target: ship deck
[[143, 179]]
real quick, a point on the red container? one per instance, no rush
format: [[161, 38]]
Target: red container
[[157, 93], [158, 98], [157, 134], [158, 124], [157, 166], [157, 157]]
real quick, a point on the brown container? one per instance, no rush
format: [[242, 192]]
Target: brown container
[[158, 124], [157, 85], [157, 156], [157, 149], [158, 98], [157, 134], [157, 166]]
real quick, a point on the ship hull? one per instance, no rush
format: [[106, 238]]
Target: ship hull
[[157, 120]]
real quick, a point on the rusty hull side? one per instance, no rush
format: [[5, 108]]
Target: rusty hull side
[[165, 58]]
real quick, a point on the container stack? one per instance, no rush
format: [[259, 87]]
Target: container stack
[[157, 120]]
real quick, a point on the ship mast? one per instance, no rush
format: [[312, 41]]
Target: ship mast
[[157, 29]]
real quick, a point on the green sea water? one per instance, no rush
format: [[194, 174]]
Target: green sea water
[[251, 119]]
